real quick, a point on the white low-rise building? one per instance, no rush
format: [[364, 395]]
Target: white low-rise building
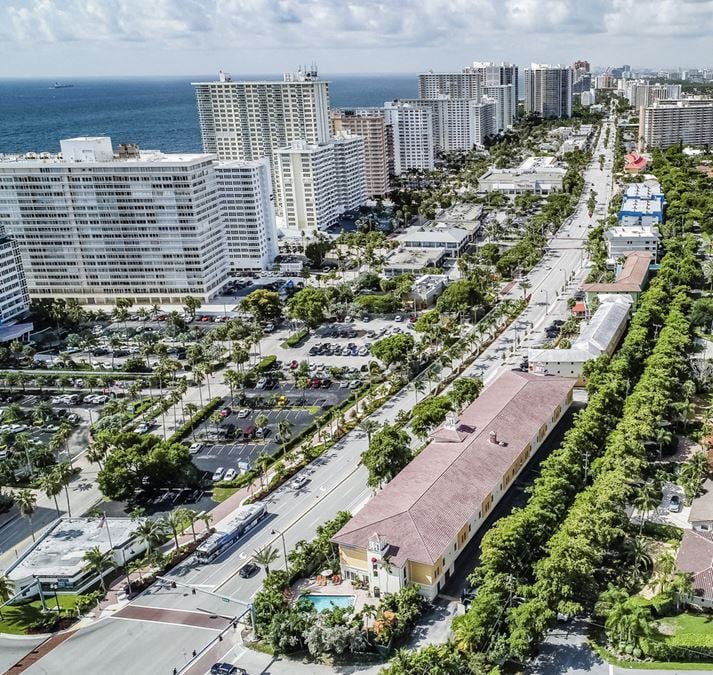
[[453, 239], [56, 559], [413, 261], [427, 289], [600, 336], [541, 175], [627, 238]]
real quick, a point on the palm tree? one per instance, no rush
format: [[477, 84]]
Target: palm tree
[[662, 436], [284, 431], [524, 285], [216, 418], [369, 427], [98, 561], [51, 485], [640, 558], [262, 461], [151, 533], [627, 623], [64, 474], [261, 421], [26, 502], [665, 567], [266, 556], [191, 409], [682, 586], [175, 522], [191, 517], [7, 590], [647, 501]]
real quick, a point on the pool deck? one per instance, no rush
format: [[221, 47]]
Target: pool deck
[[361, 597]]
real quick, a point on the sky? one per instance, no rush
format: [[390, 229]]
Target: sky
[[64, 38]]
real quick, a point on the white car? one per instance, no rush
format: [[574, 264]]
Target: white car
[[243, 413], [195, 448], [344, 384], [261, 383], [398, 318], [218, 474], [230, 474], [299, 482]]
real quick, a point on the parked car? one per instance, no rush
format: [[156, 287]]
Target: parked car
[[674, 504], [143, 427], [326, 384], [294, 364], [249, 432], [218, 474], [243, 413], [195, 448], [398, 318], [355, 384], [261, 383], [227, 669], [247, 570], [225, 411], [230, 474]]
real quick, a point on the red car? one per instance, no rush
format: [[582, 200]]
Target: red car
[[315, 383], [225, 412], [293, 365]]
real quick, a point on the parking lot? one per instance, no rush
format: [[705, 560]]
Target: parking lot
[[242, 449]]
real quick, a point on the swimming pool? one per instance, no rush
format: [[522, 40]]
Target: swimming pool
[[322, 602]]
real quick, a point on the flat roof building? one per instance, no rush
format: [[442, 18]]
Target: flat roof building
[[413, 260], [667, 123], [599, 336], [56, 559], [453, 239], [625, 239], [424, 518], [548, 90], [541, 175]]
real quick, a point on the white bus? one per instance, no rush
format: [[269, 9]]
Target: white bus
[[229, 530]]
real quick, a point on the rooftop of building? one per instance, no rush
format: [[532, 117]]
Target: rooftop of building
[[438, 232], [421, 511], [531, 167], [702, 506], [632, 277], [595, 337], [638, 230], [417, 259], [695, 556], [60, 551], [648, 190], [428, 282], [637, 205], [302, 75]]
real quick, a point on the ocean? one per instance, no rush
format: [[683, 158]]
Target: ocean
[[155, 113]]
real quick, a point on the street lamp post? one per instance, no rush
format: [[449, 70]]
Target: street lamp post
[[284, 547]]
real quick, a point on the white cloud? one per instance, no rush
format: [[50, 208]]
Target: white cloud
[[523, 30]]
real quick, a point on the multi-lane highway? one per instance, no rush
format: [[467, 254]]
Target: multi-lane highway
[[159, 628]]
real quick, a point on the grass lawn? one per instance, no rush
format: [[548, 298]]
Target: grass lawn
[[16, 619], [220, 494], [607, 656], [689, 623]]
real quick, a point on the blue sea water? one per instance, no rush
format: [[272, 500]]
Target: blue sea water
[[155, 113]]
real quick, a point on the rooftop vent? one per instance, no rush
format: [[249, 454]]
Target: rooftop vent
[[128, 150]]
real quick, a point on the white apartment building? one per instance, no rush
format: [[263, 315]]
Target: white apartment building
[[605, 81], [458, 123], [640, 93], [548, 90], [455, 85], [541, 175], [498, 75], [319, 182], [369, 124], [504, 97], [248, 213], [95, 225], [409, 131], [666, 123], [251, 119], [621, 240], [14, 297]]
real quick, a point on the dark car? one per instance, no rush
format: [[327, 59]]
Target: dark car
[[227, 669], [557, 322], [247, 570], [674, 504]]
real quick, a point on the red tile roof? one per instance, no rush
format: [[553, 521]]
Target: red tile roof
[[635, 162], [632, 278], [421, 511], [695, 556]]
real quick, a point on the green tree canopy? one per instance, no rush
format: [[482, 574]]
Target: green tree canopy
[[388, 453], [393, 349], [308, 305], [460, 297], [264, 305], [429, 413]]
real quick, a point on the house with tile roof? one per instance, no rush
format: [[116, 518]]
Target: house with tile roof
[[414, 529], [695, 557], [631, 279]]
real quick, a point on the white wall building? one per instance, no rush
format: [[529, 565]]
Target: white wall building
[[666, 123], [601, 335], [463, 84], [14, 298], [320, 182], [252, 119], [626, 238], [541, 175], [548, 90], [498, 75], [410, 136], [248, 213], [95, 226], [503, 96]]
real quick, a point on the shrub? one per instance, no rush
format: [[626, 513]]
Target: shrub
[[267, 363], [295, 339]]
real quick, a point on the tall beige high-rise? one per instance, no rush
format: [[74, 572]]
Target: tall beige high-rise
[[369, 124]]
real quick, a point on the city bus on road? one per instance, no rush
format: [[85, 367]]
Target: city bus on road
[[229, 530]]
